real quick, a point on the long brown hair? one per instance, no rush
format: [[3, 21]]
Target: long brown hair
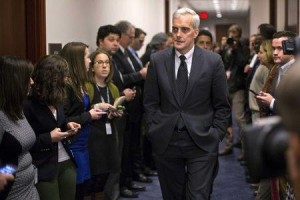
[[92, 63], [14, 85], [74, 52], [49, 80]]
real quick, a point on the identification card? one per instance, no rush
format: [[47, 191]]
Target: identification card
[[108, 128]]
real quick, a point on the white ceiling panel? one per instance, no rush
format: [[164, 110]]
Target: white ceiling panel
[[228, 8]]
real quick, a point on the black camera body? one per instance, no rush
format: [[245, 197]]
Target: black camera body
[[230, 41], [266, 143], [291, 46]]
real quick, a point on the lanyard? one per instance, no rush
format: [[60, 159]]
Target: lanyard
[[107, 94]]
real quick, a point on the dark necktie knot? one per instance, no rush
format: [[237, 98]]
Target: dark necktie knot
[[182, 58]]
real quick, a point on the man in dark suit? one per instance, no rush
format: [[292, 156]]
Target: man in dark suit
[[187, 110], [284, 62], [133, 75]]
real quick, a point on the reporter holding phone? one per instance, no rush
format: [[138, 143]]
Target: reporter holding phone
[[16, 135], [265, 56], [105, 157], [56, 168], [77, 108]]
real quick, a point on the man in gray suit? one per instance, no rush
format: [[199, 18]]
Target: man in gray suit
[[186, 106]]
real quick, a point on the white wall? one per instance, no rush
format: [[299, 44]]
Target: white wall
[[79, 20], [280, 15], [259, 13]]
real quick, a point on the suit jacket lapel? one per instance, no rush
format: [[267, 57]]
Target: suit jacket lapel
[[195, 69], [170, 68]]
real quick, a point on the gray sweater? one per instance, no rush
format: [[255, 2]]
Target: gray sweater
[[15, 141]]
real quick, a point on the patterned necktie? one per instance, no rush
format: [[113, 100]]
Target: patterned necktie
[[182, 78]]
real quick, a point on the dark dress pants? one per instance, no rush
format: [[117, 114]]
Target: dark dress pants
[[130, 146], [185, 171]]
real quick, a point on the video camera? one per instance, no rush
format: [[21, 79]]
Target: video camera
[[230, 41], [266, 143], [291, 46]]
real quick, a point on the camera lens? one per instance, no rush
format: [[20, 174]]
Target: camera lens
[[230, 41]]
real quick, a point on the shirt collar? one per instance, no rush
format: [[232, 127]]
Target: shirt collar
[[287, 65], [122, 49], [131, 50], [188, 55]]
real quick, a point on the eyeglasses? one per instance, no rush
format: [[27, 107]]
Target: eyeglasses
[[100, 62]]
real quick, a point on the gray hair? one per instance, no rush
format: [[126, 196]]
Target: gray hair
[[184, 11], [124, 26]]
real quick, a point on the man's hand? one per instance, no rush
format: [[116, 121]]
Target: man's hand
[[228, 74], [129, 94], [143, 72], [147, 64], [264, 99]]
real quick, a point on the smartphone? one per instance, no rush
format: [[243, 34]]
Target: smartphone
[[105, 110], [256, 94], [72, 130], [8, 169]]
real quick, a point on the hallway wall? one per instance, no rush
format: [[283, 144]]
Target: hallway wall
[[83, 18], [259, 13], [78, 20]]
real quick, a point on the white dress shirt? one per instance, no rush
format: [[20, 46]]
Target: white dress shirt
[[188, 60]]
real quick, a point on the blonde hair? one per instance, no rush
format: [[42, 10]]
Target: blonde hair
[[266, 45]]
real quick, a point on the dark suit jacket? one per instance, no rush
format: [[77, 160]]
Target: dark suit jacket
[[205, 108], [117, 79], [44, 152], [131, 79]]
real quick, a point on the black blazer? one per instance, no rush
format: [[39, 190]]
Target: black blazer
[[44, 152], [74, 108], [205, 109]]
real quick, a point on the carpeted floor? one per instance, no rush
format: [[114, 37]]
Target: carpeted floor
[[230, 183]]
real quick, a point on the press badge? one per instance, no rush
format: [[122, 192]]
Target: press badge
[[108, 128]]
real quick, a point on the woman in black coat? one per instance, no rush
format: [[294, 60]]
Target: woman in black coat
[[44, 112]]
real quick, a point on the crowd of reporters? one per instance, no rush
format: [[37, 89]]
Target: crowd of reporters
[[79, 144], [76, 150]]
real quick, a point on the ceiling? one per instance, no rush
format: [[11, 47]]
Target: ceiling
[[228, 8]]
